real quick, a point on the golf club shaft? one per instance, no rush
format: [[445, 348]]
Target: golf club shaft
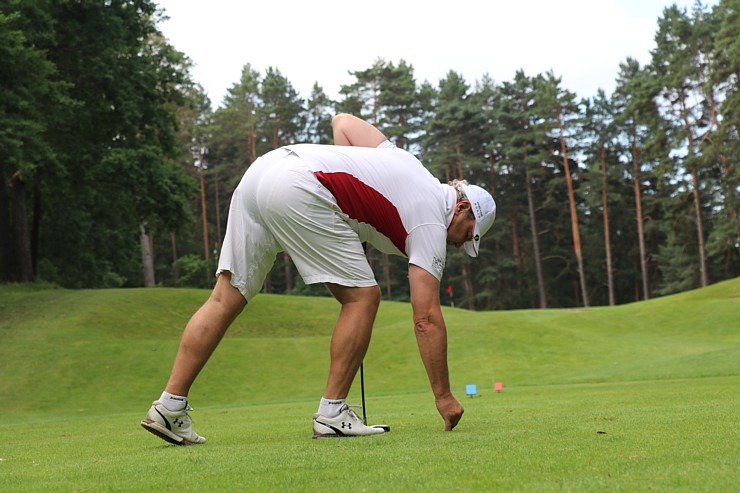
[[362, 388]]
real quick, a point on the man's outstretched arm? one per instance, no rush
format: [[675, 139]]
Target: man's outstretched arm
[[352, 131], [431, 336]]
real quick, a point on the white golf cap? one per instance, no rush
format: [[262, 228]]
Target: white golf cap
[[484, 209]]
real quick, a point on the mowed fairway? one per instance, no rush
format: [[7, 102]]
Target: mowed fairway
[[641, 397]]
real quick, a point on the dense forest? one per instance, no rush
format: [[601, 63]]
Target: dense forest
[[117, 171]]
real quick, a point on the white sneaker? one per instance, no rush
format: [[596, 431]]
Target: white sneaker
[[346, 424], [172, 426]]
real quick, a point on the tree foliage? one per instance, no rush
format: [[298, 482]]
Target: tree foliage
[[601, 200], [104, 161]]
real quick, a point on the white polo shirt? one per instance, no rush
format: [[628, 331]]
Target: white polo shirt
[[319, 203], [390, 199]]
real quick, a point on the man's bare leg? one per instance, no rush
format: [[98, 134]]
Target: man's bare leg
[[351, 336], [203, 332], [349, 344], [168, 417]]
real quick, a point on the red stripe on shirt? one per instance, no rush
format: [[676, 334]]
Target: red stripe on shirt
[[365, 204]]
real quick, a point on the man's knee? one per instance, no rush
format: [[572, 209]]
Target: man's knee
[[226, 295], [366, 295], [375, 296]]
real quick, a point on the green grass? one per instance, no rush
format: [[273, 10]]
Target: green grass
[[641, 397]]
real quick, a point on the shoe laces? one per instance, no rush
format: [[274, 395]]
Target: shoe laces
[[351, 409], [187, 410]]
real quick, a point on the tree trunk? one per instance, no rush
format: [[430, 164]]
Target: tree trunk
[[175, 267], [468, 286], [535, 243], [573, 214], [458, 163], [607, 236], [22, 240], [218, 216], [699, 229], [638, 207], [695, 182], [251, 137], [729, 191], [36, 227], [147, 256], [288, 273], [203, 209], [173, 244], [387, 272]]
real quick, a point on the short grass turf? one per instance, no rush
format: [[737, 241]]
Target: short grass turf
[[641, 397]]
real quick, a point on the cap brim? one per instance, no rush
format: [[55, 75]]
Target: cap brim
[[471, 247]]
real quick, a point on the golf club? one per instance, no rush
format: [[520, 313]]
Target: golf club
[[362, 389]]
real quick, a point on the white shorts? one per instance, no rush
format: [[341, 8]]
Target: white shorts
[[279, 205]]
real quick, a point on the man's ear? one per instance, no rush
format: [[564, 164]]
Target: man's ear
[[463, 205]]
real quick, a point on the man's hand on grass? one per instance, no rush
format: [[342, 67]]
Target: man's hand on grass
[[450, 409]]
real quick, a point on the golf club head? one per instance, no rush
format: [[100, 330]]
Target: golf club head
[[385, 428]]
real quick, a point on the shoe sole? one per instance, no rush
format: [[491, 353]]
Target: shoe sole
[[385, 429], [156, 429], [317, 436]]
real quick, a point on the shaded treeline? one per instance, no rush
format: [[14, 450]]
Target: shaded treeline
[[117, 171]]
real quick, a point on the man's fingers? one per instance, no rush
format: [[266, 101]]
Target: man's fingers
[[450, 410], [450, 423]]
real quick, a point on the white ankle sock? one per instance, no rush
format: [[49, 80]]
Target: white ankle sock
[[329, 408], [173, 402]]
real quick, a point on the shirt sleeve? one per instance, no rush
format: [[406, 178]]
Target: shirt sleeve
[[386, 144], [427, 248]]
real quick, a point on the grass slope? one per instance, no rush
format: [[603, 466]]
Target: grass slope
[[640, 397], [71, 346]]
